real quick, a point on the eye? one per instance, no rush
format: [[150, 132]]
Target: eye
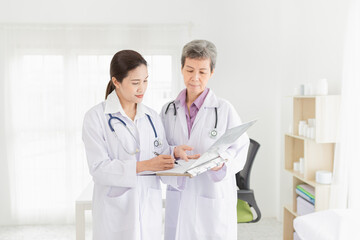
[[190, 71], [135, 83], [202, 72], [145, 81]]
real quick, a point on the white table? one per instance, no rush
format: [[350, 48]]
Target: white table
[[83, 203]]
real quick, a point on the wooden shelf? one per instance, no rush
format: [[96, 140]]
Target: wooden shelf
[[324, 109], [318, 153], [301, 178], [299, 137], [316, 156], [312, 96], [289, 216], [291, 211]]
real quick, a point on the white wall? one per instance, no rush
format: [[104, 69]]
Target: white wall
[[4, 178], [265, 48], [312, 47]]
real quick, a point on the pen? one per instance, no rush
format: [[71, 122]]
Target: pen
[[157, 154]]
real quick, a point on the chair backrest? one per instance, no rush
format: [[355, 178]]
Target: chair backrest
[[243, 177]]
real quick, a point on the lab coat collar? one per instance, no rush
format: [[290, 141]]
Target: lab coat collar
[[181, 98], [113, 105], [210, 100], [141, 110]]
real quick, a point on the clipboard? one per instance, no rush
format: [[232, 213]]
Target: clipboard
[[207, 160]]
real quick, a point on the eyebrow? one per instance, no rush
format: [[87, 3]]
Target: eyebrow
[[137, 80], [200, 68]]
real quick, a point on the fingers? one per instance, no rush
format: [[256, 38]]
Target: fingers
[[196, 156], [218, 167], [185, 157], [186, 147], [166, 160], [167, 165]]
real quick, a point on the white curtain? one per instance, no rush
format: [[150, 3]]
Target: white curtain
[[52, 76], [345, 190]]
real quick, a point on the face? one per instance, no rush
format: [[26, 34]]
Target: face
[[133, 87], [196, 73]]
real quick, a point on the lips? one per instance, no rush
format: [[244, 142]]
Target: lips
[[139, 96]]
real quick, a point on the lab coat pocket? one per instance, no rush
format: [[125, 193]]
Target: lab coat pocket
[[119, 211], [152, 209], [211, 219]]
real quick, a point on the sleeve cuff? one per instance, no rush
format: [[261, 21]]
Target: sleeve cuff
[[177, 183], [219, 175]]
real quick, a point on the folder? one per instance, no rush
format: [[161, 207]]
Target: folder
[[207, 160], [303, 206]]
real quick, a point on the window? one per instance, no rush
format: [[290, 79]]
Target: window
[[50, 99], [52, 77]]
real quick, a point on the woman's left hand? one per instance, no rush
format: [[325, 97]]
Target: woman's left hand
[[180, 152], [218, 167]]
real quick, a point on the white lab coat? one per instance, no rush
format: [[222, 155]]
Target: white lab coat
[[206, 208], [125, 205]]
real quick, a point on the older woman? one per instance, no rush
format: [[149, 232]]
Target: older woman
[[206, 209]]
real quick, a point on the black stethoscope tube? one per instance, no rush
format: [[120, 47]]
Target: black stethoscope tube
[[213, 133], [167, 108]]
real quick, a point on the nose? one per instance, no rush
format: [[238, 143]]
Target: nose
[[195, 76], [141, 88]]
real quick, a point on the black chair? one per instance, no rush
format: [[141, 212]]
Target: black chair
[[243, 180]]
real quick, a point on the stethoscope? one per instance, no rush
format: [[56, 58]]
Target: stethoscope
[[157, 142], [213, 133]]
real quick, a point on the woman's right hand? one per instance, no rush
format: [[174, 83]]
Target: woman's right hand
[[158, 163]]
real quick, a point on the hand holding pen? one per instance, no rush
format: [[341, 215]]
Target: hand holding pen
[[159, 162], [158, 154]]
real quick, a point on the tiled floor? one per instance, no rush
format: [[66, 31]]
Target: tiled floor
[[266, 229]]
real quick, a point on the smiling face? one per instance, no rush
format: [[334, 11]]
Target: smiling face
[[133, 87], [196, 74]]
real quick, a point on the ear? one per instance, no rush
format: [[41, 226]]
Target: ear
[[212, 72], [115, 82]]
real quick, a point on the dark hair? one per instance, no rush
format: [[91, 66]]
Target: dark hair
[[123, 62]]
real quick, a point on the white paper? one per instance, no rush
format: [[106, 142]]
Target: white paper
[[224, 142], [210, 158]]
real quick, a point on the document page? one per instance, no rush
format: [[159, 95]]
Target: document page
[[225, 141], [208, 159]]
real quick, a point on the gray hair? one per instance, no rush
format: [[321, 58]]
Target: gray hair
[[199, 49]]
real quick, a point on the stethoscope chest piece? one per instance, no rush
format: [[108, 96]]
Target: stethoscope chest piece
[[213, 133], [157, 143]]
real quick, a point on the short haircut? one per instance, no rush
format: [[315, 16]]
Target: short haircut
[[199, 49]]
